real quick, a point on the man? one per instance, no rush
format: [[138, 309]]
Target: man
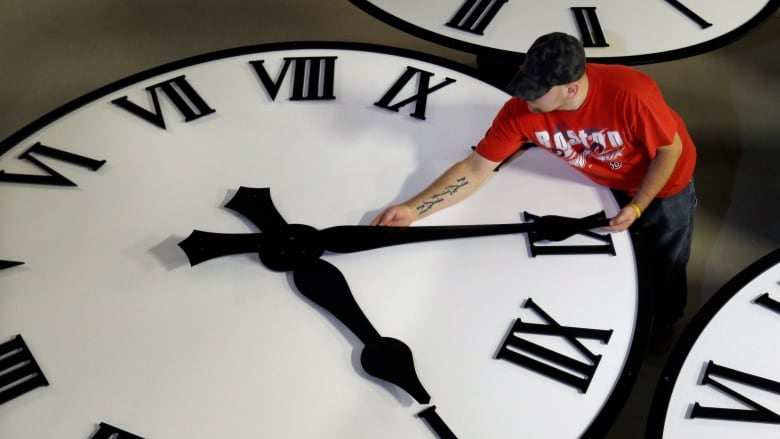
[[612, 124]]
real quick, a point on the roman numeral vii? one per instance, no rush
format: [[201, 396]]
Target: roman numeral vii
[[179, 91]]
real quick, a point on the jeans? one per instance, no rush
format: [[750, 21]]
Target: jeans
[[662, 238]]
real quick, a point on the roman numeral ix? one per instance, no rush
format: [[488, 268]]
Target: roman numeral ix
[[557, 366], [420, 99]]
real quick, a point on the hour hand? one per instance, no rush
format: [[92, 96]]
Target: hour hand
[[347, 239], [385, 358]]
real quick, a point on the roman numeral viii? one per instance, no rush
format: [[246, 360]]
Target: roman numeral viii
[[312, 77], [557, 366], [181, 94]]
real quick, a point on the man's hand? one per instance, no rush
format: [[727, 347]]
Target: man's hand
[[623, 219], [399, 215]]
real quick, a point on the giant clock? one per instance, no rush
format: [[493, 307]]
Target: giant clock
[[620, 31], [721, 379], [111, 324]]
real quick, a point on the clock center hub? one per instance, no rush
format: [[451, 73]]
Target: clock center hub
[[290, 246]]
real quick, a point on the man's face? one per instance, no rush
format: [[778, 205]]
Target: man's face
[[550, 101]]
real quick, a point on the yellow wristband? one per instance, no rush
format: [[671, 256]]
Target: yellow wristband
[[636, 209]]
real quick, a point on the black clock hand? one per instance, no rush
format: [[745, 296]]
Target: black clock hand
[[256, 205], [297, 248], [346, 239], [386, 358]]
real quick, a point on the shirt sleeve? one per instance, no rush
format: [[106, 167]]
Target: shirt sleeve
[[655, 123], [503, 137]]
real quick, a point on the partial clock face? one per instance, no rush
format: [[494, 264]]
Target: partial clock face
[[629, 32], [722, 378], [105, 326]]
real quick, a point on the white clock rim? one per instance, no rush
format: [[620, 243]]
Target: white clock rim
[[696, 329], [645, 58]]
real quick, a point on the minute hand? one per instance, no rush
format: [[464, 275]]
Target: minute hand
[[347, 239]]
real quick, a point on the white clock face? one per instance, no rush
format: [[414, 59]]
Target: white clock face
[[612, 30], [722, 379], [127, 333]]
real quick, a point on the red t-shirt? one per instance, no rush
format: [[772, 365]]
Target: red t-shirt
[[611, 138]]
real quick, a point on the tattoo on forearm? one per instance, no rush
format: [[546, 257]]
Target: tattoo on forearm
[[440, 197]]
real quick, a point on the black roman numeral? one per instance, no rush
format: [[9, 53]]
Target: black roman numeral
[[589, 27], [607, 246], [52, 177], [756, 413], [689, 13], [436, 423], [515, 347], [313, 77], [767, 302], [423, 91], [475, 15], [19, 372], [106, 431], [186, 100]]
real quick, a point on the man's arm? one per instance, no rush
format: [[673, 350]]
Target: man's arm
[[658, 173], [457, 183]]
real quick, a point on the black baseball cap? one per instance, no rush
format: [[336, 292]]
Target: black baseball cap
[[553, 59]]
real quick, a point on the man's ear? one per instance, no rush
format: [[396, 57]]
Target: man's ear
[[571, 89]]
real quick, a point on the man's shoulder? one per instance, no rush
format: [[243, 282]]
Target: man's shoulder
[[620, 79]]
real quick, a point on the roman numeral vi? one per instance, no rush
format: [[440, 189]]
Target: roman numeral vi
[[52, 177]]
